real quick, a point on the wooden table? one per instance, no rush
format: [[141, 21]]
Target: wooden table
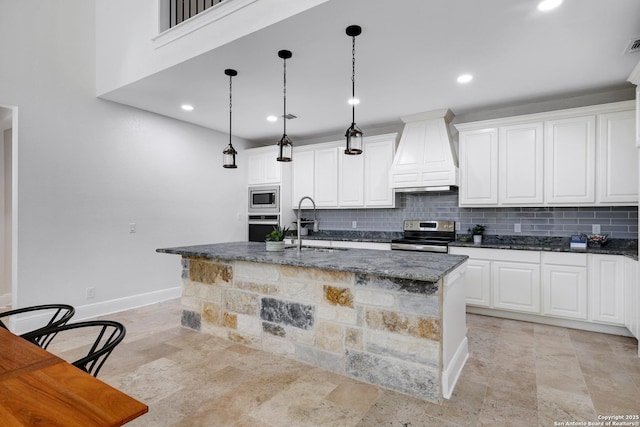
[[38, 388]]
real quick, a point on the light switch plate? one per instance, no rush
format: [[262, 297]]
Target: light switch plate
[[595, 228], [517, 228]]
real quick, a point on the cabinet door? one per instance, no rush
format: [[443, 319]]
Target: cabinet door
[[631, 297], [262, 167], [564, 290], [569, 152], [516, 286], [479, 167], [520, 167], [351, 185], [606, 289], [378, 158], [326, 177], [302, 178], [478, 282], [617, 158]]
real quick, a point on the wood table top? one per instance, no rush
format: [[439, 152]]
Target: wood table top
[[39, 388]]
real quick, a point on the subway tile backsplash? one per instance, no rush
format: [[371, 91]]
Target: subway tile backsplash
[[620, 222]]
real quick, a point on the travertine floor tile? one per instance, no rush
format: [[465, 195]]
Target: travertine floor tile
[[518, 373]]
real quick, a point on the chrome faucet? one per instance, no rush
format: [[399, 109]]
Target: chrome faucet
[[315, 221]]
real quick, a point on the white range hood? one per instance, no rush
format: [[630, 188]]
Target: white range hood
[[426, 159]]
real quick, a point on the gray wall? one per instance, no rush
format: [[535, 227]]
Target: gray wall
[[618, 222]]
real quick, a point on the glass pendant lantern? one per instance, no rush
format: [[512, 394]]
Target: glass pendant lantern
[[353, 134], [285, 145], [229, 153]]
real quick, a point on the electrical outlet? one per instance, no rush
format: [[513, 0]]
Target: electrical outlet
[[354, 224], [517, 228], [132, 227], [91, 293], [595, 228]]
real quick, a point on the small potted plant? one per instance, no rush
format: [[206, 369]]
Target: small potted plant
[[275, 239], [477, 231]]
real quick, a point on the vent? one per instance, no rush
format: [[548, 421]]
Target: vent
[[290, 116], [633, 46]]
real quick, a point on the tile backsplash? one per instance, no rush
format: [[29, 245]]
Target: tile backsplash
[[620, 222]]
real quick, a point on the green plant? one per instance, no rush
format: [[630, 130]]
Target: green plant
[[277, 235], [478, 229]]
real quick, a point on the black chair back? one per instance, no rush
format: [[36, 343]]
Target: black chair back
[[108, 334], [60, 315]]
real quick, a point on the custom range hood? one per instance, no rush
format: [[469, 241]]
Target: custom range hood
[[426, 159]]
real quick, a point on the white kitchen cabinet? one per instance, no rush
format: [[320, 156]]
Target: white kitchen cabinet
[[570, 148], [516, 286], [378, 159], [576, 157], [262, 167], [326, 177], [564, 285], [617, 158], [606, 288], [520, 166], [351, 183], [478, 282], [479, 167], [302, 183], [631, 297], [335, 180]]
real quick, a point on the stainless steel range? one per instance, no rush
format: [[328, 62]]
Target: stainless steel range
[[426, 236]]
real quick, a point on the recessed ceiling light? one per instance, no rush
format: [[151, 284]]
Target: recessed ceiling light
[[546, 5], [272, 118], [353, 101], [187, 107], [465, 78]]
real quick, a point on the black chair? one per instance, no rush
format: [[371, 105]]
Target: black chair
[[109, 335], [60, 315]]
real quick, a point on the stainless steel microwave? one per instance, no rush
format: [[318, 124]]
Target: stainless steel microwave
[[264, 199]]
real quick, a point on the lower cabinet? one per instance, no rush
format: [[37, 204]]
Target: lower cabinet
[[631, 297], [478, 282], [516, 286], [606, 289], [564, 285], [574, 286]]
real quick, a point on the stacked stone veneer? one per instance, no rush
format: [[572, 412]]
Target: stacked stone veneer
[[381, 330]]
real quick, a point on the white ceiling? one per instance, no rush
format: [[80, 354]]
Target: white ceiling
[[407, 60]]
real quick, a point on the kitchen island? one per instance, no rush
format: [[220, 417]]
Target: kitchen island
[[391, 318]]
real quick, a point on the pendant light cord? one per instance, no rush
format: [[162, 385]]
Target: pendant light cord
[[230, 107], [353, 81], [284, 94]]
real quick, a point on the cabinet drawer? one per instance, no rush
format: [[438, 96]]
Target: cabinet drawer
[[498, 254], [564, 258]]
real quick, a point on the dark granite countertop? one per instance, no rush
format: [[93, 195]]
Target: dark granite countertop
[[626, 247], [428, 267], [353, 235]]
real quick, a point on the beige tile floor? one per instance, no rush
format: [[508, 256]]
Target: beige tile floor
[[518, 374]]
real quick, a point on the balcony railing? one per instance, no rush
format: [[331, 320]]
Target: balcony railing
[[181, 10]]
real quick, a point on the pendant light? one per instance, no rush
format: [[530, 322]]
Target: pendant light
[[229, 153], [285, 145], [353, 134]]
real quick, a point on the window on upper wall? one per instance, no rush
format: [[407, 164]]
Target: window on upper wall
[[173, 12]]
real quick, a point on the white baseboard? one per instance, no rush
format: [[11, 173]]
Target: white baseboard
[[103, 308], [452, 372]]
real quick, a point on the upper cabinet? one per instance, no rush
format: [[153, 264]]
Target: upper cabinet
[[577, 157], [335, 180], [570, 148], [262, 167]]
